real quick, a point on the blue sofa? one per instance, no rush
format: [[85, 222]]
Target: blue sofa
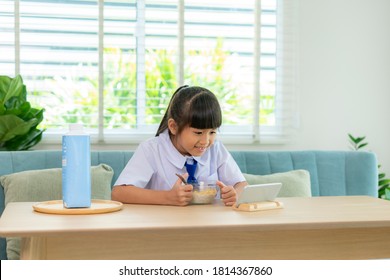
[[332, 173]]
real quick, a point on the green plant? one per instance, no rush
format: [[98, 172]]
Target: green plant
[[383, 182], [18, 120]]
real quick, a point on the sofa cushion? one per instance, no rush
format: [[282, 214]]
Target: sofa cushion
[[46, 184], [294, 183]]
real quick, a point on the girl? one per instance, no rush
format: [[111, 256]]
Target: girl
[[187, 132]]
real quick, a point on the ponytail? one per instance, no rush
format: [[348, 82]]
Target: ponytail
[[164, 122]]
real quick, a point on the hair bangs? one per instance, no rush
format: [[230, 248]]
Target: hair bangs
[[204, 112]]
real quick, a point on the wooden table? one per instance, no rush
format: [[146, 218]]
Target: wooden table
[[355, 227]]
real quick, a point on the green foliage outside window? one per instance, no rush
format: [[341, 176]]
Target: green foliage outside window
[[78, 98]]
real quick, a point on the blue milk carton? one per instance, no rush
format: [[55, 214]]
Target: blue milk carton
[[76, 168]]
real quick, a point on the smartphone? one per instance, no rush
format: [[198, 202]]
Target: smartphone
[[258, 193]]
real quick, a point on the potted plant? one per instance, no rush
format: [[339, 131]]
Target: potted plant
[[18, 120], [383, 182]]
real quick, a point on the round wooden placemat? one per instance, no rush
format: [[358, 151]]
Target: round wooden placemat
[[97, 207]]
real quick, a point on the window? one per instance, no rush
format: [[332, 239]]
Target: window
[[113, 65]]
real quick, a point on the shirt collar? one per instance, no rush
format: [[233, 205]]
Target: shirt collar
[[173, 155]]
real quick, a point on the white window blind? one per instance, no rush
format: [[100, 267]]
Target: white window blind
[[113, 65]]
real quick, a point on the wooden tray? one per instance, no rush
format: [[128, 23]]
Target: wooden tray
[[258, 206], [97, 207]]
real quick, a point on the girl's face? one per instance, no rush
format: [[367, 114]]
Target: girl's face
[[193, 141]]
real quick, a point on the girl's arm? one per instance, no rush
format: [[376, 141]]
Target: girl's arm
[[179, 195]]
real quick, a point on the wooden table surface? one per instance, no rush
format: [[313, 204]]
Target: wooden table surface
[[353, 227]]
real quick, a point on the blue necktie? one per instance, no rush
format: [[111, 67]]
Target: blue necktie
[[191, 168]]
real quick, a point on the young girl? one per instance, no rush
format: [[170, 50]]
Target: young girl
[[187, 132]]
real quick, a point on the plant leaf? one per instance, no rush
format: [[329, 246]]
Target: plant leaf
[[384, 182], [24, 142], [18, 120], [4, 85], [381, 192], [353, 139], [12, 126], [15, 88], [387, 194], [362, 145], [16, 106], [360, 139]]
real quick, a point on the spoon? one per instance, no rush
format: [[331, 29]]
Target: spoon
[[182, 178]]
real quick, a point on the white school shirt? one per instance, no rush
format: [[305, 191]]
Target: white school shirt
[[156, 161]]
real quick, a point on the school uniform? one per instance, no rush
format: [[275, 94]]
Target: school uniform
[[156, 161]]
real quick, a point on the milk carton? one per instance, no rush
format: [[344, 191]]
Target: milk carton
[[76, 168]]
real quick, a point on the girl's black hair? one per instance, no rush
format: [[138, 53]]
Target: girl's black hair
[[194, 106]]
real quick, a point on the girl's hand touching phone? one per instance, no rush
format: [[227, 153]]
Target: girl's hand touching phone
[[228, 194]]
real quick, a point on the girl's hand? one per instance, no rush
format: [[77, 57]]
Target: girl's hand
[[228, 194], [180, 195]]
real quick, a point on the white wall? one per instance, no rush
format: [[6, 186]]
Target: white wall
[[344, 75], [344, 70]]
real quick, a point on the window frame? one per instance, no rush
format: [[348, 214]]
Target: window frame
[[286, 102]]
